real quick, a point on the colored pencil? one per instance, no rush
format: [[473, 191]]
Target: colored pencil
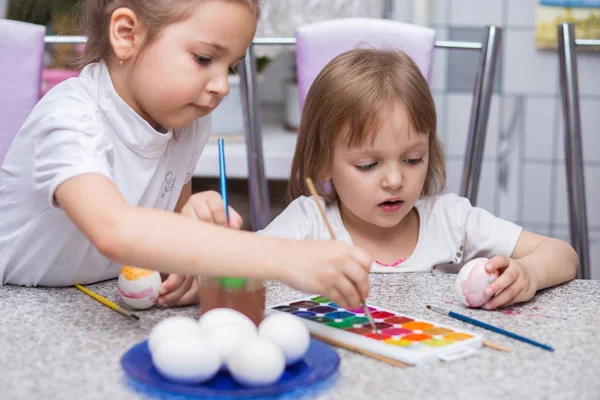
[[367, 353], [313, 192], [487, 326], [107, 302]]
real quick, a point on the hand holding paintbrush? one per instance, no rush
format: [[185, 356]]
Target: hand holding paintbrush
[[313, 192]]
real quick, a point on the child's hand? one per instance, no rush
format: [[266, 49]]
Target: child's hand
[[179, 290], [514, 285], [333, 269], [209, 207]]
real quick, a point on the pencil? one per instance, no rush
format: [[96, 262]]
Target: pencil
[[107, 302], [367, 353], [492, 328], [313, 192]]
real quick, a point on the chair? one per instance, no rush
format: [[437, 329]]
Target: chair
[[569, 87], [22, 49], [319, 43]]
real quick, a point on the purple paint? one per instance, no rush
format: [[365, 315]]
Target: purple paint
[[304, 314], [321, 309]]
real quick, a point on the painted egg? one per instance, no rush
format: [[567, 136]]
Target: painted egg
[[256, 362], [471, 281], [223, 316], [139, 287], [171, 328], [188, 360], [288, 333]]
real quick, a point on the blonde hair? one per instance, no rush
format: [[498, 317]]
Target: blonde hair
[[349, 97], [154, 14]]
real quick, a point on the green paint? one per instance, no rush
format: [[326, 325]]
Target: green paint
[[321, 299]]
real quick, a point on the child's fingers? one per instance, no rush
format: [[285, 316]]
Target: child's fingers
[[235, 219], [349, 292], [175, 295], [496, 263], [189, 297], [363, 258], [506, 297], [171, 283], [504, 280], [360, 279], [217, 210]]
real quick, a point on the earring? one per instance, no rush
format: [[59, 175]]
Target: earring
[[121, 62]]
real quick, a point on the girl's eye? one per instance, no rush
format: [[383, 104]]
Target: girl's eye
[[366, 167], [203, 60], [414, 161]]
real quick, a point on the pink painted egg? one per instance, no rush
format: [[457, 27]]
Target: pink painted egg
[[471, 282], [139, 287]]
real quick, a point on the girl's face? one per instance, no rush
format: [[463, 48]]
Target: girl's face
[[182, 74], [379, 183]]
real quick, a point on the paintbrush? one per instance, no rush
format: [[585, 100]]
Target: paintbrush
[[487, 326], [313, 192], [107, 302]]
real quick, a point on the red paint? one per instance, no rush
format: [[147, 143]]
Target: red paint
[[512, 312], [396, 331], [381, 314], [397, 320], [380, 336]]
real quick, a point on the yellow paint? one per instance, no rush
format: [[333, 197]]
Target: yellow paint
[[133, 273], [399, 342]]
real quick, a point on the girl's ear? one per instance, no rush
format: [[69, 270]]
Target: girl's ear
[[125, 33]]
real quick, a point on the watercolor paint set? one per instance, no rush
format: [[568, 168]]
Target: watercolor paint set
[[401, 337]]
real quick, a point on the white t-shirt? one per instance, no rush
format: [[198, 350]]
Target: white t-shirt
[[82, 126], [451, 232]]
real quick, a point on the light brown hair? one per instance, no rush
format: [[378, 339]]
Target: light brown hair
[[351, 96], [154, 14]]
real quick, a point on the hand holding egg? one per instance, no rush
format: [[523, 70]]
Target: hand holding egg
[[471, 282]]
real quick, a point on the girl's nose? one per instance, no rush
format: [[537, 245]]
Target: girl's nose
[[219, 84], [393, 178]]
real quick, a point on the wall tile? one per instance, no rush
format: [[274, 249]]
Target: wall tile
[[543, 127], [439, 71], [476, 12], [439, 12], [536, 193], [526, 69], [521, 13], [588, 65]]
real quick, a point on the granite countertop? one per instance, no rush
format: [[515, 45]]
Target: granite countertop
[[57, 343]]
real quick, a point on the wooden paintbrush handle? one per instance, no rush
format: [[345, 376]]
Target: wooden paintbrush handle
[[367, 353]]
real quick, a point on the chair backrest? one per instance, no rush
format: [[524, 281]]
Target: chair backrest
[[21, 63], [320, 42]]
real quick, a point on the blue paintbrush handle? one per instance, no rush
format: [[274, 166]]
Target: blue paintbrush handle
[[223, 176], [472, 321]]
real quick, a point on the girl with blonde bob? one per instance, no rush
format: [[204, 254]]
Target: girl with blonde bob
[[368, 137]]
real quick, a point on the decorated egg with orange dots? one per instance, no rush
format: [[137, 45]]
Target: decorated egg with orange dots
[[139, 287]]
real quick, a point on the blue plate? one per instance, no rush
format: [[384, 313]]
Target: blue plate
[[319, 363]]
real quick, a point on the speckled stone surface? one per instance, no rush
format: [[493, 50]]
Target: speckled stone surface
[[57, 343]]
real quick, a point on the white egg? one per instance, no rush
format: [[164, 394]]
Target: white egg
[[139, 288], [471, 281], [225, 338], [223, 316], [288, 333], [256, 362], [171, 328], [187, 360]]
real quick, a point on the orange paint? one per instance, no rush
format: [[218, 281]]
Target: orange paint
[[457, 336], [437, 331], [380, 336], [417, 325], [416, 337], [133, 273], [360, 331]]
